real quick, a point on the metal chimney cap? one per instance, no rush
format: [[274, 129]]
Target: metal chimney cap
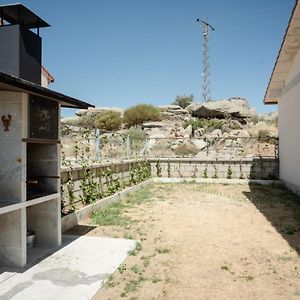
[[19, 14]]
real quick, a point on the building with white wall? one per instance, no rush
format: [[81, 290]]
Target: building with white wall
[[284, 90]]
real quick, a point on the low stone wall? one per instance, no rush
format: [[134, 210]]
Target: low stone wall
[[247, 168], [109, 178]]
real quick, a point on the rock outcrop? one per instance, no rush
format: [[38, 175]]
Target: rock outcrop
[[235, 108], [91, 111]]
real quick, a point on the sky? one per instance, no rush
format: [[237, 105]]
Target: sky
[[121, 53]]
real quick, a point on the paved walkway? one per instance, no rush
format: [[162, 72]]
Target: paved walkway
[[76, 271]]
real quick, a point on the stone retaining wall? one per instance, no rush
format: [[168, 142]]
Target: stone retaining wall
[[120, 171], [247, 168]]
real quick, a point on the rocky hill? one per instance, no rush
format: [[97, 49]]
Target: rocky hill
[[226, 128]]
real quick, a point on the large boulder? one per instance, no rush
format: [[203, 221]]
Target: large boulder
[[92, 111], [236, 108], [173, 112]]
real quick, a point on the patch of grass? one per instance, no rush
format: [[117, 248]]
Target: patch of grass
[[162, 250], [139, 197], [109, 282], [133, 285], [137, 248], [136, 269], [249, 278], [147, 260], [111, 216]]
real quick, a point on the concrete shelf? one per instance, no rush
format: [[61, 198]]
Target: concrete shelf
[[6, 207]]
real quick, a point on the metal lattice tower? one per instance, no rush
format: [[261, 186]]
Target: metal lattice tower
[[206, 86]]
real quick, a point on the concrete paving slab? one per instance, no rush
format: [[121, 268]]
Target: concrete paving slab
[[76, 271]]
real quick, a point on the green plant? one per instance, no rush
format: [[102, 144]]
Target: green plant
[[241, 173], [88, 185], [135, 269], [122, 268], [215, 173], [146, 260], [138, 114], [184, 101], [229, 172], [263, 133], [108, 120], [162, 250], [169, 169], [158, 169], [252, 174], [137, 248], [156, 279], [205, 173]]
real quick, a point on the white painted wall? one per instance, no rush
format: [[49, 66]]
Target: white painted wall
[[289, 130]]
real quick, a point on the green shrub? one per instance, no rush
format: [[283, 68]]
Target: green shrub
[[186, 150], [136, 134], [263, 133], [138, 114], [108, 120], [210, 124], [183, 101]]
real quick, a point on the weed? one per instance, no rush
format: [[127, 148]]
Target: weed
[[226, 268], [122, 268], [146, 261], [249, 278], [109, 282], [229, 172], [205, 173], [135, 269], [128, 236], [162, 250], [156, 279], [137, 248]]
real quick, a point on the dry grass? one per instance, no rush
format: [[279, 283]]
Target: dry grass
[[208, 242]]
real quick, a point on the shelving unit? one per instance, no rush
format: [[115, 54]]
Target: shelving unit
[[30, 191]]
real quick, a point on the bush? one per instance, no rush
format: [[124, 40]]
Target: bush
[[136, 134], [108, 120], [186, 150], [183, 101], [263, 133], [138, 114]]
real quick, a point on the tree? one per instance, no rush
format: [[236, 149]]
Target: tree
[[184, 101], [138, 114], [108, 120]]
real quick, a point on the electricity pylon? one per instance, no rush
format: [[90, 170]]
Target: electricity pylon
[[206, 86]]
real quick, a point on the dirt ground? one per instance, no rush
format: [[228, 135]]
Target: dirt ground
[[207, 242]]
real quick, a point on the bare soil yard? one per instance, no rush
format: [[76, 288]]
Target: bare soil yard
[[204, 242]]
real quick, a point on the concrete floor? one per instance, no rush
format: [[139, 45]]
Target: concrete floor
[[75, 271]]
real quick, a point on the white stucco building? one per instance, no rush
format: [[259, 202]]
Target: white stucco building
[[284, 90]]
